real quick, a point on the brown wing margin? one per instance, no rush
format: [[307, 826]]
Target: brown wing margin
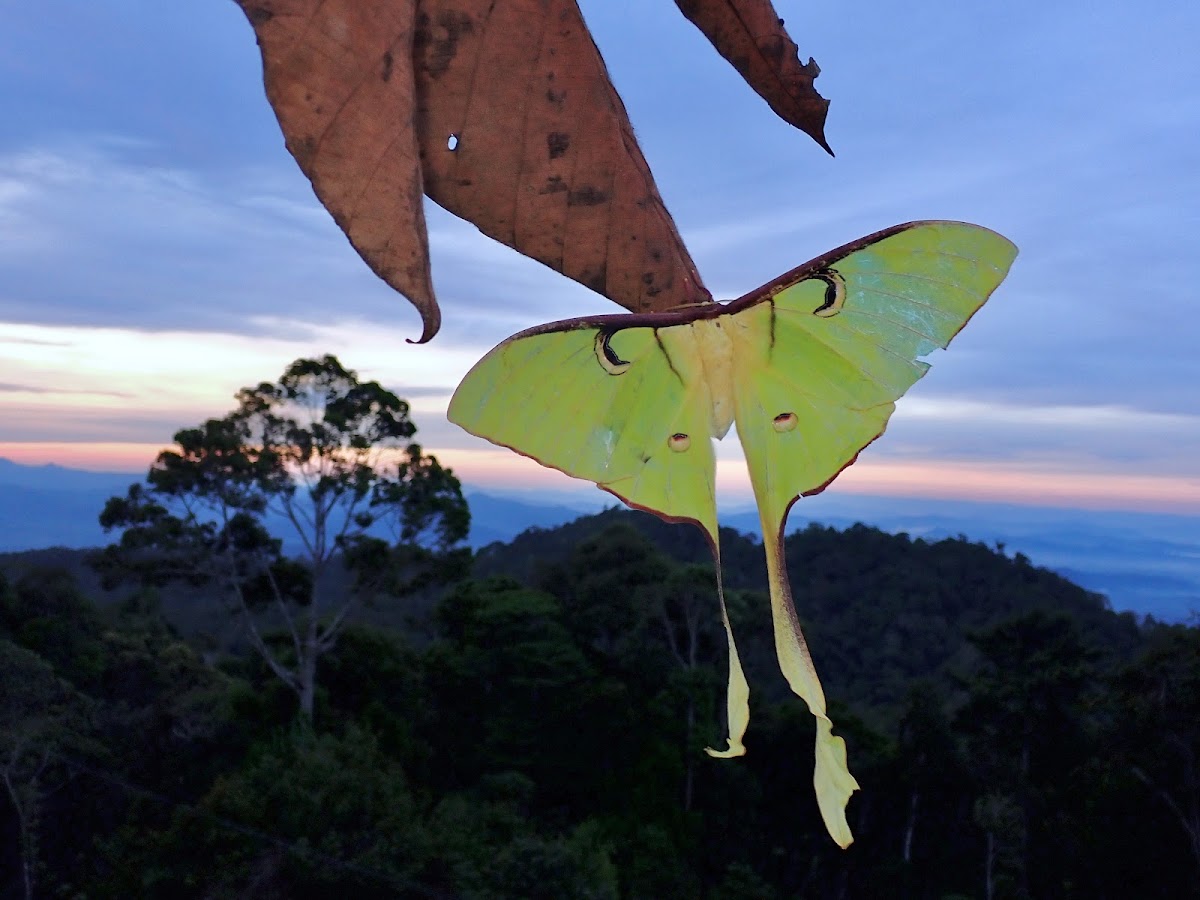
[[614, 322]]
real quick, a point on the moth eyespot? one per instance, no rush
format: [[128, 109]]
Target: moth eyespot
[[784, 422], [679, 442], [835, 293], [607, 356]]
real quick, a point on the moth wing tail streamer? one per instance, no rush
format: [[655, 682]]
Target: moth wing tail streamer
[[627, 409], [832, 780], [821, 355], [737, 690]]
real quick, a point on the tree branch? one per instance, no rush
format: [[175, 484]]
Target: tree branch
[[669, 627], [289, 510], [287, 676], [283, 607], [1191, 828], [328, 636]]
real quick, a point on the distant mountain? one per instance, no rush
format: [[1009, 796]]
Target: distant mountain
[[1143, 562], [59, 478], [501, 519], [46, 506], [52, 506]]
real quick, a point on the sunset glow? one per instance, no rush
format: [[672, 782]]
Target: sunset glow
[[502, 471], [108, 399]]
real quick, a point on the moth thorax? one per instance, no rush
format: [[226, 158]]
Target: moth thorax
[[714, 346]]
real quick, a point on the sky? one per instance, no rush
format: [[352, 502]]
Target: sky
[[160, 249]]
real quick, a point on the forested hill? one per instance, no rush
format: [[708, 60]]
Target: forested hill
[[531, 724], [879, 610]]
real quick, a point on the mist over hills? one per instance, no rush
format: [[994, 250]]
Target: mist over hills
[[1147, 563], [47, 506]]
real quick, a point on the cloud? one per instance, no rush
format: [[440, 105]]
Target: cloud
[[11, 388], [1083, 438], [5, 339], [29, 423], [90, 234], [142, 388], [969, 412]]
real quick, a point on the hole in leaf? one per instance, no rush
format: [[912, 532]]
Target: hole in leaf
[[452, 142]]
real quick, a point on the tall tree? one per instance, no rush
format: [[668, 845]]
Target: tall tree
[[685, 607], [313, 473], [1156, 733], [40, 716], [1027, 733]]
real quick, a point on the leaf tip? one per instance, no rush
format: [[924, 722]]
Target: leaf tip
[[431, 323]]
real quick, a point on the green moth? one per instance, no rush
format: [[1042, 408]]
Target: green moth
[[808, 367]]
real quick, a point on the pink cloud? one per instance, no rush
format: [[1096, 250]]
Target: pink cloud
[[947, 480]]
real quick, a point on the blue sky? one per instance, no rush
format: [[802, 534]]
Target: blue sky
[[159, 248]]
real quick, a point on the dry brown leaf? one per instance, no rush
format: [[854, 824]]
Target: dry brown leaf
[[339, 76], [750, 34], [503, 113], [545, 160]]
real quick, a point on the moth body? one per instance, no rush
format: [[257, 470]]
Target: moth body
[[714, 347]]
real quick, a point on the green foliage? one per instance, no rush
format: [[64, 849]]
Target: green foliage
[[1154, 730], [505, 671], [539, 734], [329, 797], [741, 882], [486, 848], [46, 612], [42, 718]]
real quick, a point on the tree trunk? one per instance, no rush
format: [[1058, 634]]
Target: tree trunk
[[27, 863], [988, 864], [689, 754], [1026, 803], [306, 667], [1189, 821], [911, 826], [307, 670], [25, 836]]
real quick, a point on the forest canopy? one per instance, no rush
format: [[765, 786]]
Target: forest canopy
[[535, 728]]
